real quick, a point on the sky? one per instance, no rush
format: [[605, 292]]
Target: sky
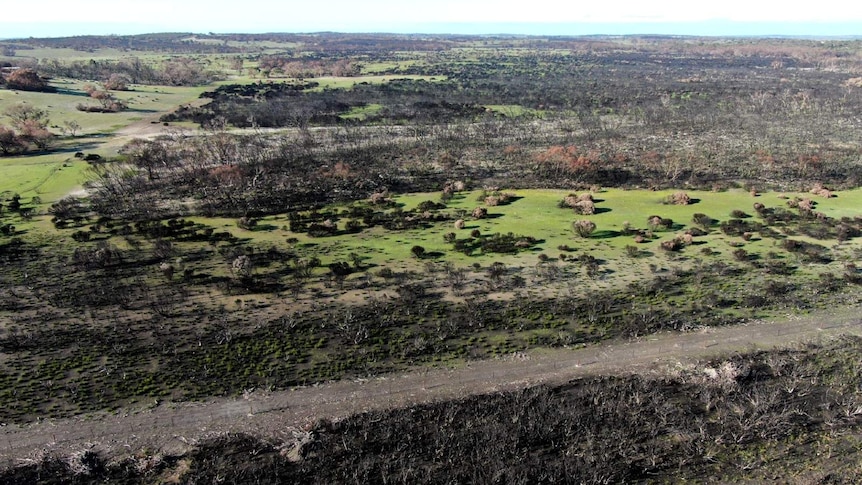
[[54, 18]]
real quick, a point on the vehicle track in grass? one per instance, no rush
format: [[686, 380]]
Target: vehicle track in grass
[[173, 428]]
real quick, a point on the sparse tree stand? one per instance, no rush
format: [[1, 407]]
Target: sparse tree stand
[[108, 103]]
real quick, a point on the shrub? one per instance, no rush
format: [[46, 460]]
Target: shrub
[[242, 266], [585, 207], [379, 198], [81, 236], [658, 222], [737, 227], [167, 270], [353, 226], [417, 251], [247, 223], [454, 186], [429, 205], [820, 190], [702, 220], [678, 198], [671, 244], [479, 213], [117, 82], [459, 224], [582, 204], [584, 227], [805, 204]]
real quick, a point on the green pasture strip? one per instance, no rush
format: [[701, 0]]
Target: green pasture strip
[[143, 101], [535, 213], [372, 68], [50, 176], [362, 112]]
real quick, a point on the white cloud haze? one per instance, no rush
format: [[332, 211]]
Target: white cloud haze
[[392, 15]]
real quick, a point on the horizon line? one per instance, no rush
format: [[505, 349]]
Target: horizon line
[[705, 28]]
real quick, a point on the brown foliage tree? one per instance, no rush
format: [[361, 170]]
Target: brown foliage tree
[[26, 79], [10, 142], [34, 132], [117, 82]]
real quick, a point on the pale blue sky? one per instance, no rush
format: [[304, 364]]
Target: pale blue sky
[[733, 17]]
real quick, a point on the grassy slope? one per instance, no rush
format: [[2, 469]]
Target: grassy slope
[[53, 175]]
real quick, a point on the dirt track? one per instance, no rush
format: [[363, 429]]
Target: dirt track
[[172, 428]]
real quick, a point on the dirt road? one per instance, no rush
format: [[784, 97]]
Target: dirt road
[[173, 428]]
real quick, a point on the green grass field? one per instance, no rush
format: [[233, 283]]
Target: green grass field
[[49, 177], [143, 101], [54, 174], [535, 213]]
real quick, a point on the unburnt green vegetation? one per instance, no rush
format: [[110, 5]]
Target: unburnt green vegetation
[[278, 211]]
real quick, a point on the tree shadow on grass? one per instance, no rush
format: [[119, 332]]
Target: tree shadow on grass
[[80, 147], [71, 92], [140, 110], [512, 200], [605, 234], [264, 227]]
